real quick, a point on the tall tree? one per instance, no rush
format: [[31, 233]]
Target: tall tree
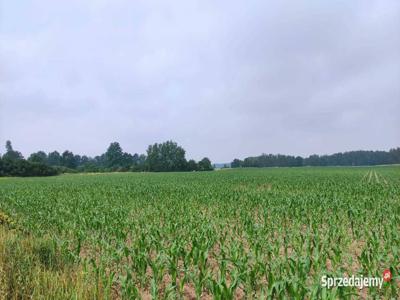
[[167, 156], [114, 156], [68, 160], [54, 159], [11, 154]]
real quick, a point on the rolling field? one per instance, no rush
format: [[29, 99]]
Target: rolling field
[[229, 234]]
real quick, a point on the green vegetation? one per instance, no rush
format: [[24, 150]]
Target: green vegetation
[[13, 164], [351, 158], [254, 233], [163, 157], [169, 157]]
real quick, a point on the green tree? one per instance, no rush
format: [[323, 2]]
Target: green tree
[[13, 164], [153, 159], [68, 160], [114, 156], [205, 164], [298, 161], [167, 156], [11, 154], [127, 161], [236, 163], [192, 165], [38, 157], [54, 159]]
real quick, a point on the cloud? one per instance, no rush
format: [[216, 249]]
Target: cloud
[[227, 79]]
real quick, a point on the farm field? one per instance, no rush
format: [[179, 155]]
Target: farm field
[[230, 234]]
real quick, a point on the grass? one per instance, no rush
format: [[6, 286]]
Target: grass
[[255, 233]]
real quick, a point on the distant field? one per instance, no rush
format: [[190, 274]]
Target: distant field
[[230, 234]]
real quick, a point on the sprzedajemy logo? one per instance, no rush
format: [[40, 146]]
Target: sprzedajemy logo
[[356, 281]]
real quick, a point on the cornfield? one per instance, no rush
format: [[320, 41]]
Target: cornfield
[[229, 234]]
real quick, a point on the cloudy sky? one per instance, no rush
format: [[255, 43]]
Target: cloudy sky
[[224, 79]]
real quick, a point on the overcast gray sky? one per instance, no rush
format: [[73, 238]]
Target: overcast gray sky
[[224, 79]]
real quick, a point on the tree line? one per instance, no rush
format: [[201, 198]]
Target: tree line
[[159, 157], [351, 158], [169, 156]]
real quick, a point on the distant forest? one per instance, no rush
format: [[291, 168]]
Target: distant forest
[[163, 157], [351, 158]]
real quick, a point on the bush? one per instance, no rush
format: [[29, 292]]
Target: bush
[[24, 168]]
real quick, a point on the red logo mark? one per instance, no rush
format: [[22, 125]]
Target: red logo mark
[[387, 275]]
